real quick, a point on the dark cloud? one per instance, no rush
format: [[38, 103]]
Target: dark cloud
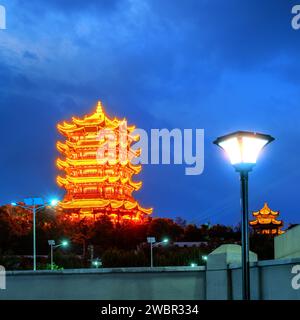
[[241, 33], [30, 55], [69, 6], [217, 65]]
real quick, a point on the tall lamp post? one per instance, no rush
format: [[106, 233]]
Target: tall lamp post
[[34, 205], [153, 243], [243, 149], [52, 245]]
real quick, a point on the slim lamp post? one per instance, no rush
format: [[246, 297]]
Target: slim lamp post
[[243, 149], [34, 235], [151, 253], [245, 235], [151, 240], [153, 243], [34, 205], [53, 246]]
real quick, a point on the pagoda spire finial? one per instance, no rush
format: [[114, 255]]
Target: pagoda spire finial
[[99, 107]]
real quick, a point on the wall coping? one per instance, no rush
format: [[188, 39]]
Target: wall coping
[[268, 263], [106, 270], [263, 263]]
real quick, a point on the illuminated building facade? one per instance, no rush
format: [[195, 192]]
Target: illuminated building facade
[[96, 160], [266, 221]]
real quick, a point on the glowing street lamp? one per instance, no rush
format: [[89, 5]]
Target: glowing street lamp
[[165, 241], [64, 243], [54, 202], [52, 245], [243, 149], [97, 263], [153, 243], [34, 205]]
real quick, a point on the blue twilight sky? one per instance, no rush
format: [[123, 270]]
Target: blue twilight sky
[[218, 65]]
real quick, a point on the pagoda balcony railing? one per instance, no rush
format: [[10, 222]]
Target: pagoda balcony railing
[[82, 175], [97, 174], [101, 196]]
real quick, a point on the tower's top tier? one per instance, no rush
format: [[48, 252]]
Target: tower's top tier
[[266, 216], [265, 211], [92, 123]]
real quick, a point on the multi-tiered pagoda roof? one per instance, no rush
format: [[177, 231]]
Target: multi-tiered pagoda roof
[[266, 222], [99, 183]]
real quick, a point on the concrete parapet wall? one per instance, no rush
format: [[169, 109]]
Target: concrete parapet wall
[[106, 284], [287, 245], [220, 280]]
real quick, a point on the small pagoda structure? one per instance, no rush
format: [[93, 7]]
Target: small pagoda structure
[[266, 222], [98, 169]]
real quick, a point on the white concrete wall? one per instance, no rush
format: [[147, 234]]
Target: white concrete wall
[[106, 284], [221, 279], [287, 245]]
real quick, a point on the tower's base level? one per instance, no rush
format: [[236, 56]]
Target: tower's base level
[[91, 215]]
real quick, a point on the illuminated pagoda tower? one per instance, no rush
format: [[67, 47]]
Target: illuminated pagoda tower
[[266, 222], [96, 160]]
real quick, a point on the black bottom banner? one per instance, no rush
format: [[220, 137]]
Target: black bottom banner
[[97, 310]]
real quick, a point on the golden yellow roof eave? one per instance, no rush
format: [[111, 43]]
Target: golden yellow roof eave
[[266, 211], [82, 180], [96, 119], [102, 203], [266, 221], [62, 164]]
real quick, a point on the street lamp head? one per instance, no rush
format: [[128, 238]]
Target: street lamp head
[[14, 204], [51, 242], [243, 148], [34, 201], [165, 240], [193, 265], [204, 258], [151, 239]]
